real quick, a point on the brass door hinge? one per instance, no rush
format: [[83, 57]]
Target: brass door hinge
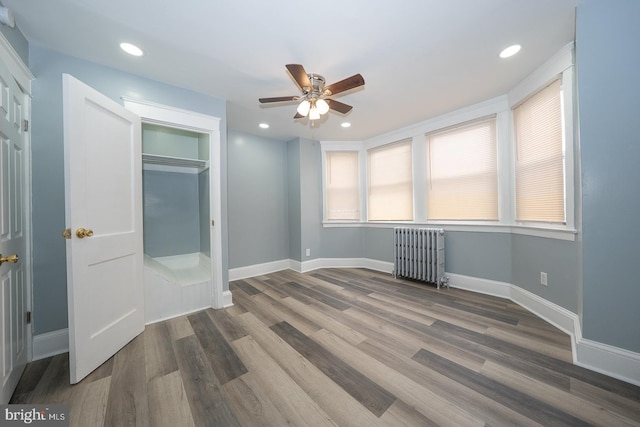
[[25, 125]]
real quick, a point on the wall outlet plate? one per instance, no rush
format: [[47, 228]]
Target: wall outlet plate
[[543, 278]]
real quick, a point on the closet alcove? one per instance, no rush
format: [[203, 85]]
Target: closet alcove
[[181, 202]]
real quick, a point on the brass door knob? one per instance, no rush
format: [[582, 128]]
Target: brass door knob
[[66, 233], [11, 258], [83, 232]]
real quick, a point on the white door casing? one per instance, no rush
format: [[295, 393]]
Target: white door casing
[[103, 193], [14, 237]]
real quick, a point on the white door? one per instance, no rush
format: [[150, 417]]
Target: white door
[[13, 238], [103, 189]]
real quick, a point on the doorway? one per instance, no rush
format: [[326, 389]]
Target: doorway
[[177, 244], [183, 242]]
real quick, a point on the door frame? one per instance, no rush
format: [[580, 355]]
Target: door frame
[[164, 115], [23, 77]]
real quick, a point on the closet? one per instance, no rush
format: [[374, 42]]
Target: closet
[[181, 201]]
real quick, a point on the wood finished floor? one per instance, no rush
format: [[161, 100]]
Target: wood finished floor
[[345, 347]]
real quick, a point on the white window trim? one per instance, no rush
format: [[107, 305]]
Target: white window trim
[[549, 233], [326, 146], [419, 154], [559, 64], [425, 138], [365, 170]]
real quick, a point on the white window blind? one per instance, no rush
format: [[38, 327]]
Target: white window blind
[[342, 185], [390, 182], [462, 173], [540, 190]]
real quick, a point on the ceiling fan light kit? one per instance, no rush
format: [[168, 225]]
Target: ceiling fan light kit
[[304, 107], [315, 95], [322, 106], [314, 114]]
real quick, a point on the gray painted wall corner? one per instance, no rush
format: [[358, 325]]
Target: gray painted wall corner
[[294, 199], [258, 200]]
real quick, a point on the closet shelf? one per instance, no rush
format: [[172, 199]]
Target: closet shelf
[[173, 164]]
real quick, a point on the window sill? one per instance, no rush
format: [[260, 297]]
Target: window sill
[[544, 231]]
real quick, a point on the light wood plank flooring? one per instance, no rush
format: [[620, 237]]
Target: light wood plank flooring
[[347, 347]]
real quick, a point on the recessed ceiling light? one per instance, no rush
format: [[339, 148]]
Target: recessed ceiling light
[[510, 51], [346, 125], [131, 49], [264, 125]]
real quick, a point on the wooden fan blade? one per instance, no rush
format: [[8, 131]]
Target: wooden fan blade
[[298, 116], [338, 106], [300, 76], [278, 99], [346, 84]]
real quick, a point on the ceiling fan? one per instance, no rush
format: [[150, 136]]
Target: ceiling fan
[[315, 95]]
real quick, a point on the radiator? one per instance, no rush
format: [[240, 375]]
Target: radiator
[[418, 253]]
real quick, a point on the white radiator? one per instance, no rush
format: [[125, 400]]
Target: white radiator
[[418, 253]]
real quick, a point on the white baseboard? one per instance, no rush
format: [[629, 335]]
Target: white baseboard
[[605, 359], [50, 344], [306, 266], [295, 265], [258, 269], [483, 286], [558, 316], [227, 300], [608, 360], [314, 264]]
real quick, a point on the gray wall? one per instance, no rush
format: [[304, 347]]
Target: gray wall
[[49, 278], [310, 199], [171, 213], [483, 255], [558, 258], [608, 61], [377, 243], [294, 202], [258, 201], [343, 242]]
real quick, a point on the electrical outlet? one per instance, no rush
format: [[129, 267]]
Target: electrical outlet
[[308, 252], [543, 278]]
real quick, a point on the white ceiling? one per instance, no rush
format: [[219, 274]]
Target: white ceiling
[[419, 58]]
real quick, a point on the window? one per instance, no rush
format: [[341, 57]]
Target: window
[[506, 165], [462, 173], [540, 189], [391, 182], [342, 185]]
